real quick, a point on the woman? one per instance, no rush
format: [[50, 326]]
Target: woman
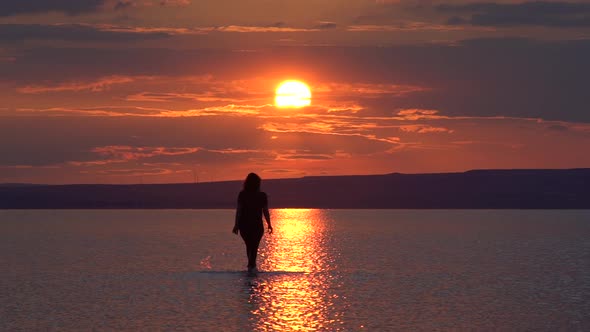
[[252, 204]]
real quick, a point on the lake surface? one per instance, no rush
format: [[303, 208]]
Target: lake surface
[[326, 270]]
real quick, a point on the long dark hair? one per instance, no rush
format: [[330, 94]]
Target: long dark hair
[[252, 182]]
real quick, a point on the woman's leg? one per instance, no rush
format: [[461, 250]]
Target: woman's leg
[[246, 237], [252, 240], [255, 242]]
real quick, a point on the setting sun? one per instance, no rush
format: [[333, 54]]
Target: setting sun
[[292, 94]]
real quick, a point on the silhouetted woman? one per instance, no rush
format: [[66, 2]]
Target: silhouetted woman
[[252, 204]]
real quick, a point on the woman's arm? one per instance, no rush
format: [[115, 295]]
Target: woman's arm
[[267, 217]]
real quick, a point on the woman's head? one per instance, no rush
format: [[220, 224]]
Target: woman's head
[[252, 182]]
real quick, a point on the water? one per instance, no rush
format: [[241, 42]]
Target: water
[[325, 270]]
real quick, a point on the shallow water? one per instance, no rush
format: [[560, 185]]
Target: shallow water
[[321, 270]]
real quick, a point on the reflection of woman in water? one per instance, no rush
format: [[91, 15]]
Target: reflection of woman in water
[[252, 204]]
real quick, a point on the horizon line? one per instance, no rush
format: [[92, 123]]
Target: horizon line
[[8, 184]]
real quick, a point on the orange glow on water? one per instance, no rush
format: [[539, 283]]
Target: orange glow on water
[[296, 245], [295, 293]]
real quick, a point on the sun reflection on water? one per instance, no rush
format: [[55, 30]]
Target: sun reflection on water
[[296, 291], [298, 244]]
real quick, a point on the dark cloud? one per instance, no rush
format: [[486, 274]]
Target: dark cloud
[[123, 5], [58, 140], [326, 25], [557, 127], [70, 32], [71, 7], [537, 13], [174, 2], [75, 7], [278, 25], [305, 157]]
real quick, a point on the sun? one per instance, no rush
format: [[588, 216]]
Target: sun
[[294, 94]]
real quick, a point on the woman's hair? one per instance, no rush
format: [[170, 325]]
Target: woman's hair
[[252, 182]]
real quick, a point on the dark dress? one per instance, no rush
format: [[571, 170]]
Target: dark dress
[[251, 205]]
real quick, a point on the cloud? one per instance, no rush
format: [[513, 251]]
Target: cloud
[[159, 156], [232, 109], [326, 128], [424, 129], [200, 88], [76, 7], [283, 171], [535, 13], [129, 152], [365, 89], [302, 155], [254, 29], [180, 3], [95, 86], [70, 7], [557, 127], [326, 25], [97, 111], [60, 139], [168, 31], [5, 58], [127, 111], [560, 126], [171, 96], [232, 151], [121, 154], [406, 26], [418, 114], [79, 32], [125, 172]]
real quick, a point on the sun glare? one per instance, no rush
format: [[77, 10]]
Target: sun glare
[[292, 94]]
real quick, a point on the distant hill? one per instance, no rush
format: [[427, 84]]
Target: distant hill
[[17, 184], [479, 189]]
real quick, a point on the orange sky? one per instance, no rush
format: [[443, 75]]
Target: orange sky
[[153, 92]]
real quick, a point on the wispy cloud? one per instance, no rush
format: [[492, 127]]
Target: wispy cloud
[[119, 111], [326, 25], [170, 96], [125, 172], [85, 32], [238, 110], [71, 7], [170, 31], [180, 3], [98, 85], [125, 4], [98, 111], [366, 89], [323, 128], [249, 29], [81, 32], [203, 88], [303, 156], [7, 58], [77, 7], [121, 153], [424, 129], [404, 26], [233, 151], [418, 114], [533, 13], [150, 155]]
